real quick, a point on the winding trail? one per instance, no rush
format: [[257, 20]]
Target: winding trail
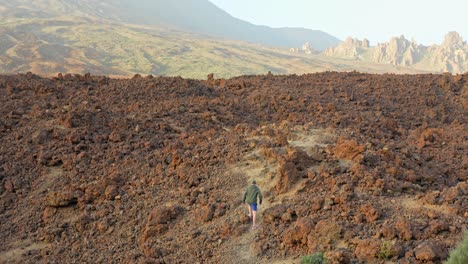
[[256, 165]]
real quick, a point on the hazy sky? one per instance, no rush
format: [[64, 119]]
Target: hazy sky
[[427, 21]]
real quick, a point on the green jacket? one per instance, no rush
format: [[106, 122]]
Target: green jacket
[[251, 195]]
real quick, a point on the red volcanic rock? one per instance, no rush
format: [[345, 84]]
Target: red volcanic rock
[[159, 220], [388, 231], [436, 227], [298, 233], [348, 149], [292, 168], [430, 251], [48, 213], [61, 199], [370, 212], [111, 192], [324, 237], [338, 256], [115, 136], [207, 213], [40, 137], [403, 229], [274, 213], [83, 158], [367, 250], [288, 175]]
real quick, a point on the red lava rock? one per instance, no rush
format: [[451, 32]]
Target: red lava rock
[[103, 226], [40, 137], [350, 150], [273, 213], [298, 233], [292, 167], [338, 256], [324, 237], [367, 250], [289, 216], [403, 229], [49, 212], [158, 221], [317, 204], [61, 199], [288, 175], [151, 251], [388, 231], [111, 192], [112, 149], [115, 136], [370, 212], [207, 213], [92, 192], [436, 227], [430, 251], [9, 186]]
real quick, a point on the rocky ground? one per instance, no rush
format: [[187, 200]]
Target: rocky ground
[[363, 168]]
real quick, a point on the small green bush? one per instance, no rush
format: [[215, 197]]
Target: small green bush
[[316, 258], [459, 255], [386, 251]]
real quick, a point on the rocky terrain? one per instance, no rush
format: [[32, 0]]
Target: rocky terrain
[[450, 56], [363, 168]]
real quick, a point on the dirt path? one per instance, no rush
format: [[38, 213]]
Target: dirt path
[[256, 166], [19, 249]]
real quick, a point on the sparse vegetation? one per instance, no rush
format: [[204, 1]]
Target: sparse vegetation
[[316, 258], [459, 255], [123, 50], [386, 251]]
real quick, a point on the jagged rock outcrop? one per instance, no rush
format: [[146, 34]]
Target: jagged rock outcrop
[[306, 49], [350, 48], [398, 51], [450, 56]]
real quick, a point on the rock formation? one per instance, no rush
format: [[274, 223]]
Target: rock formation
[[350, 48], [450, 56], [398, 51], [306, 49]]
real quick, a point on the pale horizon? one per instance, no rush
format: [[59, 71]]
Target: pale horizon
[[427, 22]]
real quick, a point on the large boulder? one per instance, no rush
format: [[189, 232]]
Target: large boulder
[[430, 251], [274, 213], [298, 233]]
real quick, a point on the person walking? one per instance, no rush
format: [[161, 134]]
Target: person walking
[[250, 197]]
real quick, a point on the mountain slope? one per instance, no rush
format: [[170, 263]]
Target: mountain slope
[[199, 16], [80, 45], [202, 16]]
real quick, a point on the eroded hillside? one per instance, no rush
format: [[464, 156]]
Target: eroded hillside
[[363, 168]]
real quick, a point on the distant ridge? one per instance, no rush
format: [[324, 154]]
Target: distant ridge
[[175, 38], [199, 16]]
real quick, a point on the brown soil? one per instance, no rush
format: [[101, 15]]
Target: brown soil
[[364, 168]]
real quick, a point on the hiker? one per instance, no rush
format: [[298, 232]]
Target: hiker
[[250, 197]]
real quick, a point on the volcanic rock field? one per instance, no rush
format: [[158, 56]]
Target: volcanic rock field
[[363, 168]]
